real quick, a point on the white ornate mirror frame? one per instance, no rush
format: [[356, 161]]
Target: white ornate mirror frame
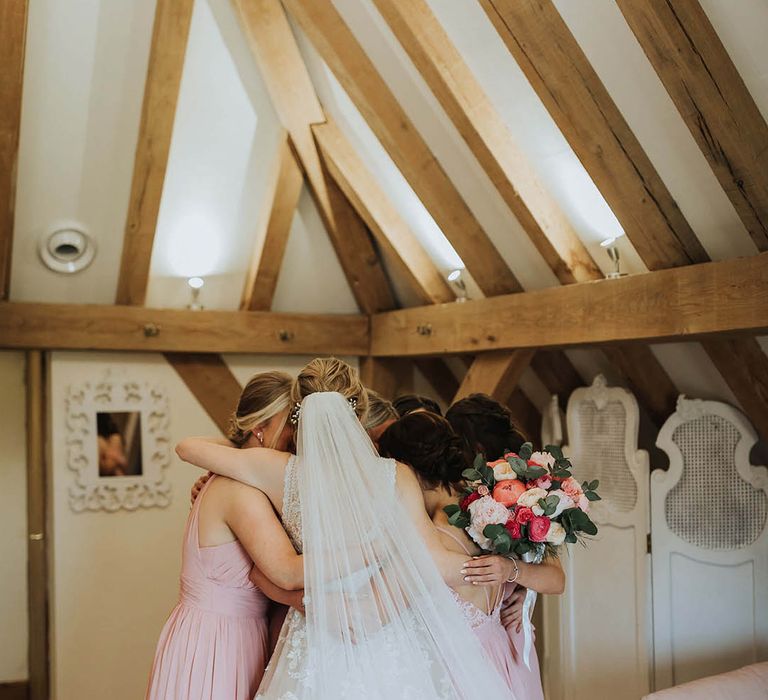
[[116, 394]]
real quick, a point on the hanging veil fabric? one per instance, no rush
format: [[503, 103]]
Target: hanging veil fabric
[[380, 622]]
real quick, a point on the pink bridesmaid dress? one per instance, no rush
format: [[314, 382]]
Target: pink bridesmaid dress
[[214, 644], [503, 649]]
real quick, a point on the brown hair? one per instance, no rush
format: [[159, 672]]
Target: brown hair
[[427, 443], [485, 426], [264, 396], [331, 374], [380, 410]]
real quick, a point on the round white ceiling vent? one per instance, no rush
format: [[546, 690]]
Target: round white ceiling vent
[[67, 250]]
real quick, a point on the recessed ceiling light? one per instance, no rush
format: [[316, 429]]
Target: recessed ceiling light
[[67, 250]]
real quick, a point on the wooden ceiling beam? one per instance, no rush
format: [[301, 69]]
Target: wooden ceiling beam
[[96, 327], [274, 46], [280, 204], [577, 100], [13, 34], [161, 92], [211, 382], [482, 128], [495, 374], [692, 63], [346, 58], [572, 92], [388, 376], [389, 229], [726, 297]]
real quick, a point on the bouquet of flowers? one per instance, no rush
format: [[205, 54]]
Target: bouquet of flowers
[[525, 504]]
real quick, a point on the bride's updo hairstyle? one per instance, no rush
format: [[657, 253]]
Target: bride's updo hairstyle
[[427, 443], [265, 395], [484, 425], [331, 374]]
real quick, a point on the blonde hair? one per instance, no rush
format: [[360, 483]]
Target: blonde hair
[[380, 410], [331, 374], [265, 396]]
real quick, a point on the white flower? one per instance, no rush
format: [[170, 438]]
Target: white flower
[[543, 459], [556, 534], [531, 498], [485, 511], [503, 471], [564, 503]]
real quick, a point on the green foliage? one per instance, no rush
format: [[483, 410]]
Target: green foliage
[[549, 504], [526, 451]]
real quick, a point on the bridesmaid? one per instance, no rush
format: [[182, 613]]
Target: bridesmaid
[[427, 443], [486, 426], [381, 414], [214, 645]]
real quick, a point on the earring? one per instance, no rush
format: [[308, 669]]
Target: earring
[[260, 438]]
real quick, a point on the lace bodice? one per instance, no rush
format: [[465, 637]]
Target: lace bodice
[[292, 503]]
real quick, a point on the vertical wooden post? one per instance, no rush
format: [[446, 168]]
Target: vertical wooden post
[[37, 566]]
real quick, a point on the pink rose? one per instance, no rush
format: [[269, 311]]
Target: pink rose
[[483, 490], [572, 488], [524, 515], [513, 528], [543, 482], [538, 528]]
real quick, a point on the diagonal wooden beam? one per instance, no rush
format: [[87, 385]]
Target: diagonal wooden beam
[[161, 92], [211, 382], [389, 376], [525, 415], [391, 232], [494, 374], [692, 63], [346, 58], [280, 205], [274, 46], [13, 33], [482, 128], [570, 89]]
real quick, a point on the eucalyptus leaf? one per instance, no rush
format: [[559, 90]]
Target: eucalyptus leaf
[[493, 531], [471, 475], [525, 451], [592, 496], [451, 509], [479, 461]]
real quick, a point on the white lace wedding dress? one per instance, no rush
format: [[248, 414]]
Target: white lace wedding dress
[[380, 623]]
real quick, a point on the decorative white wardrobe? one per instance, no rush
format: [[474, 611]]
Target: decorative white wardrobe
[[710, 545], [597, 634]]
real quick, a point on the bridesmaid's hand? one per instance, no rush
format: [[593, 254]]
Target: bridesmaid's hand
[[198, 486], [488, 570], [512, 611]]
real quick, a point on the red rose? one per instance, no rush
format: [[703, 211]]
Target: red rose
[[513, 527], [468, 500], [507, 455], [538, 528], [523, 515]]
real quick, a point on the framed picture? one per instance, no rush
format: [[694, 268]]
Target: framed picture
[[118, 445]]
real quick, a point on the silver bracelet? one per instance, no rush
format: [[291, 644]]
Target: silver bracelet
[[516, 574]]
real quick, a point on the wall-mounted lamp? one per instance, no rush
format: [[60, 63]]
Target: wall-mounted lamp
[[195, 285], [456, 279], [613, 253]]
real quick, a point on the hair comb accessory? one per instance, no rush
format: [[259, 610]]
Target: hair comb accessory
[[293, 416], [353, 403]]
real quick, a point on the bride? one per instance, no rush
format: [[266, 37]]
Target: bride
[[380, 622]]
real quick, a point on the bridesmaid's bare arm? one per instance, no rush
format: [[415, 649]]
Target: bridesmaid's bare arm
[[259, 467], [254, 522], [293, 599]]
